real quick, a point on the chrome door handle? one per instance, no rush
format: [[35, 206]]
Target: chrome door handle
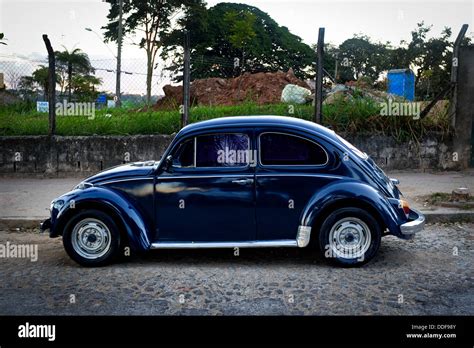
[[243, 181]]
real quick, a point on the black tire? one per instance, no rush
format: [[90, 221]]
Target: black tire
[[351, 223], [105, 228]]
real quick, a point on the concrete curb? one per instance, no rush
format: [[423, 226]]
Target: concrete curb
[[431, 217]]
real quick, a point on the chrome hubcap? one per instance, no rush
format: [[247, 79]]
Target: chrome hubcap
[[349, 238], [91, 238]]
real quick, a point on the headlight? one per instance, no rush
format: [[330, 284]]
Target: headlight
[[57, 204], [83, 185]]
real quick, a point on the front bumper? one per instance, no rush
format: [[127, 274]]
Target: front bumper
[[415, 224], [45, 225]]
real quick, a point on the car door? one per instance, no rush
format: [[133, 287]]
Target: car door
[[208, 195], [291, 169]]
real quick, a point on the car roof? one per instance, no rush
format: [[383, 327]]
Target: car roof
[[257, 121]]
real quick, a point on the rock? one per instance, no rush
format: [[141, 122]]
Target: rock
[[334, 97], [460, 194], [294, 94]]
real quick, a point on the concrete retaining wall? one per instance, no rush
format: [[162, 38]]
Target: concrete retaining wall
[[87, 155], [39, 154]]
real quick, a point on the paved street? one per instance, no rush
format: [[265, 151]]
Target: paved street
[[432, 274]]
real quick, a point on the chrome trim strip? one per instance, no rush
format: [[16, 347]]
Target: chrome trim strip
[[195, 151], [305, 175], [225, 245], [207, 176], [303, 236], [249, 176], [122, 180], [414, 226]]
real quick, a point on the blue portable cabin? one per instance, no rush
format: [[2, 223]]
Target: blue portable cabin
[[402, 82]]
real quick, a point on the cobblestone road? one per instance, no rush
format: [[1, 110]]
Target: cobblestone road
[[432, 274]]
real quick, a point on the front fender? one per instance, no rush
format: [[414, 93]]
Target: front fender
[[130, 218], [354, 192]]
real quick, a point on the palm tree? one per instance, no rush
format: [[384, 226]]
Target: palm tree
[[74, 61]]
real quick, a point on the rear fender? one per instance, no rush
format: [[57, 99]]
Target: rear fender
[[355, 194]]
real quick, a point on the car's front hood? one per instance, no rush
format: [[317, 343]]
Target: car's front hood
[[124, 171]]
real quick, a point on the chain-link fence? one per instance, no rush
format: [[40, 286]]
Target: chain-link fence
[[19, 75]]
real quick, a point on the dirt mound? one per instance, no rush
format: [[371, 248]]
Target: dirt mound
[[261, 88]]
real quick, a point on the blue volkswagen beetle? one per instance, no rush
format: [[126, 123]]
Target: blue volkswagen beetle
[[238, 182]]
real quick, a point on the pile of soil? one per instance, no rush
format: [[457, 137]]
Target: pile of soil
[[261, 88]]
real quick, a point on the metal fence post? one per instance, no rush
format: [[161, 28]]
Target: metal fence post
[[51, 86], [318, 102]]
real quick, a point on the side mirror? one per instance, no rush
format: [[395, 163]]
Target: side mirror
[[168, 163]]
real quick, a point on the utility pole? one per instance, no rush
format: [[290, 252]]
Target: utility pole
[[118, 102], [186, 80], [318, 102]]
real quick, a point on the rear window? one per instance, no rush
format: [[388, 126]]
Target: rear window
[[286, 149]]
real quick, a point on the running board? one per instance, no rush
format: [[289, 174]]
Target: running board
[[225, 245]]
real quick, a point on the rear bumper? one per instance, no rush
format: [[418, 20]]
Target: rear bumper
[[415, 224]]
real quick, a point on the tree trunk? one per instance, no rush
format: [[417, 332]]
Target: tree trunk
[[149, 77]]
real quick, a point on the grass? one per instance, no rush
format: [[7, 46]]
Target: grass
[[358, 116], [445, 200]]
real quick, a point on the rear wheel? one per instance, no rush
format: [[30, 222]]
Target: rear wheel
[[350, 237], [91, 238]]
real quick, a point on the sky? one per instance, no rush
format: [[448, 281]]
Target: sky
[[24, 21]]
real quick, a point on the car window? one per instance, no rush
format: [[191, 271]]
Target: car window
[[184, 156], [286, 149], [222, 150], [216, 150]]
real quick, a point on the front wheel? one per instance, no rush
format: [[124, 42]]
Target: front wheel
[[91, 238], [350, 237]]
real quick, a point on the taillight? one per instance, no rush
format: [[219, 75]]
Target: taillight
[[406, 208]]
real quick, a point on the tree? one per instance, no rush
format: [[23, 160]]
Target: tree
[[153, 19], [430, 58], [241, 31], [221, 34], [40, 76], [72, 62], [27, 87], [1, 39], [85, 87], [359, 56]]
